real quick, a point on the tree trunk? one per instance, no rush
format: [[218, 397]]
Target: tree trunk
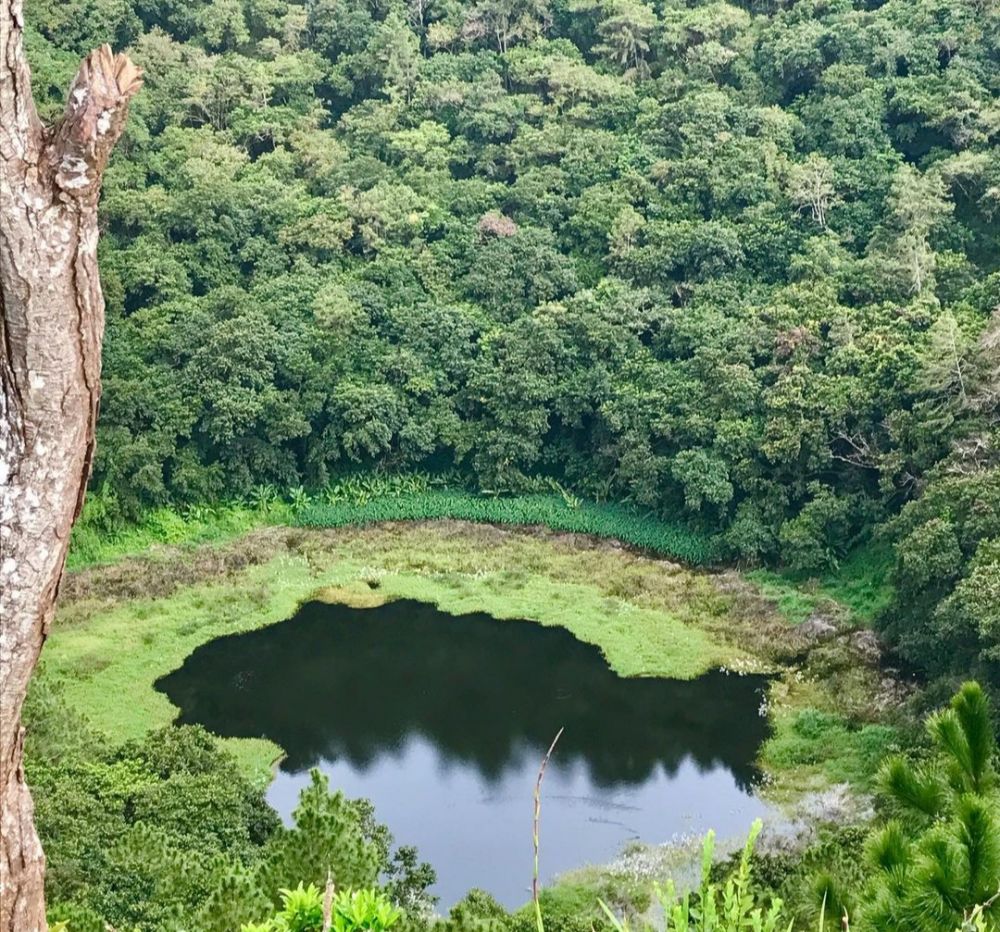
[[51, 326]]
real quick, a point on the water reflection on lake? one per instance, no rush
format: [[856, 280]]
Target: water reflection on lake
[[442, 721]]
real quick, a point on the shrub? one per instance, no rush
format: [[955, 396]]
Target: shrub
[[728, 907], [305, 909]]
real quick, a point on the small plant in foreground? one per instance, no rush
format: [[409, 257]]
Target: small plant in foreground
[[976, 921], [301, 911], [363, 909], [730, 907], [535, 823], [305, 909]]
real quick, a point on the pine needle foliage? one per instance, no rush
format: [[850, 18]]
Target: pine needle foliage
[[939, 858], [966, 733], [915, 787]]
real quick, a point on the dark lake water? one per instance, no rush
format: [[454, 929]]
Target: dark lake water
[[442, 721]]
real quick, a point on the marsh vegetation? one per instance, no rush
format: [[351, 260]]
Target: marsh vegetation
[[602, 617]]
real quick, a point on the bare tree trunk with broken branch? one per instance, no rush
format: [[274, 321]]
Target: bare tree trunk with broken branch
[[51, 326]]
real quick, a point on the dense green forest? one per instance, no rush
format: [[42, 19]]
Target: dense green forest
[[723, 277], [736, 265]]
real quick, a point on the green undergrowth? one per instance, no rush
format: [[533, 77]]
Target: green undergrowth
[[93, 544], [363, 503], [825, 747], [861, 580], [559, 513], [859, 584], [106, 651], [795, 603], [831, 723]]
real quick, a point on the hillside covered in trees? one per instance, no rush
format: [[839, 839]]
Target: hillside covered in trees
[[689, 309], [734, 264]]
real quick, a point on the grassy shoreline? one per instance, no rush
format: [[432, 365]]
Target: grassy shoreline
[[648, 616], [507, 574], [859, 584]]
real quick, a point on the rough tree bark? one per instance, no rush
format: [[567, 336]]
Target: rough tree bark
[[51, 326]]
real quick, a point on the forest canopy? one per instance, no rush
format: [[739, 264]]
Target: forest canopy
[[736, 264]]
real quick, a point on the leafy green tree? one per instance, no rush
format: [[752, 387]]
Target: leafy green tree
[[937, 539], [704, 477], [624, 28], [165, 833], [917, 203], [504, 22], [223, 25], [142, 832], [815, 539], [398, 51], [946, 362]]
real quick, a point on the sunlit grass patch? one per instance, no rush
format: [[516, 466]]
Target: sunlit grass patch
[[862, 580], [792, 601], [816, 741], [826, 747]]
